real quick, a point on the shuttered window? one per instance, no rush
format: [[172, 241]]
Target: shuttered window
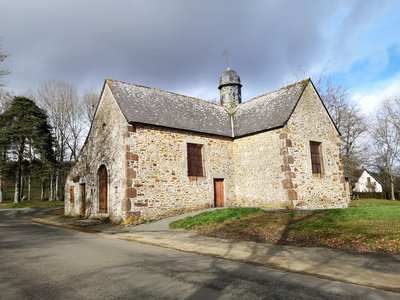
[[194, 160], [316, 159]]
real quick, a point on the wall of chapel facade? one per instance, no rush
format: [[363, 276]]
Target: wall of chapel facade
[[273, 168], [105, 145], [148, 175]]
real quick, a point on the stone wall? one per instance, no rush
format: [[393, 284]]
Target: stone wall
[[310, 122], [158, 184], [105, 146], [273, 168], [258, 174]]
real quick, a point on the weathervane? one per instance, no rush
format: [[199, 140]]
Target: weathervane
[[225, 53]]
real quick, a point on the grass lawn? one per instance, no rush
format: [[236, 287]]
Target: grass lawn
[[32, 204], [366, 226]]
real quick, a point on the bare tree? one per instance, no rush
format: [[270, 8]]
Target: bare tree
[[90, 101], [386, 141], [5, 99], [354, 146], [349, 121], [75, 128], [54, 96], [3, 72], [64, 107], [393, 108], [335, 100]]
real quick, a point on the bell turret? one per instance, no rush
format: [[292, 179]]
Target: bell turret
[[230, 90]]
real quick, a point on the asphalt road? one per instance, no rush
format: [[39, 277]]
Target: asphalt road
[[42, 262]]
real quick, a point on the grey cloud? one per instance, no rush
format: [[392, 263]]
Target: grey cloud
[[175, 45]]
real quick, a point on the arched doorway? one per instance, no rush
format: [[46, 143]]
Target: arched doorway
[[103, 188]]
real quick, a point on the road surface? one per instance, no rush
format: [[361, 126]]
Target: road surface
[[43, 262]]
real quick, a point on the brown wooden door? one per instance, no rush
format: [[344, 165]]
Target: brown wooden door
[[82, 209], [72, 195], [103, 189], [218, 192]]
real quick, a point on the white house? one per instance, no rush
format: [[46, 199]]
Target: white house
[[366, 182]]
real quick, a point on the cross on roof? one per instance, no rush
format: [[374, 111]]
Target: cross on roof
[[225, 53]]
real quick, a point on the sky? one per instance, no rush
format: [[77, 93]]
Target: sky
[[178, 45]]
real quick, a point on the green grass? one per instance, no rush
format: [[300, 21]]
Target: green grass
[[32, 204], [215, 217], [358, 211], [8, 190], [374, 202], [366, 226], [36, 189]]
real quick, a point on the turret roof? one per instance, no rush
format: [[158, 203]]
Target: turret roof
[[229, 77]]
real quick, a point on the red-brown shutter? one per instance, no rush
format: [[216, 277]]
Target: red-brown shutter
[[315, 157], [194, 160]]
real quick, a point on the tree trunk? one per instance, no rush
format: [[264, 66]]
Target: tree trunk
[[29, 176], [18, 173], [1, 190], [42, 191], [56, 189], [29, 188], [17, 195], [22, 188], [392, 195], [51, 198]]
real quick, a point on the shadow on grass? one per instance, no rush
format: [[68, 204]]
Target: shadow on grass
[[324, 263]]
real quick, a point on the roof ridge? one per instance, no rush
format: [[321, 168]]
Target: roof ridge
[[164, 91], [304, 81]]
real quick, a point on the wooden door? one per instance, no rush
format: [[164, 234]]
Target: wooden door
[[72, 195], [82, 208], [103, 189], [218, 192]]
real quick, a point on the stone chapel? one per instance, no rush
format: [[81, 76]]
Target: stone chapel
[[151, 153]]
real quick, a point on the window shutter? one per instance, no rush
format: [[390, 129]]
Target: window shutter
[[194, 160], [315, 148]]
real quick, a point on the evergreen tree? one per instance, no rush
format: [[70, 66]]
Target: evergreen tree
[[24, 133]]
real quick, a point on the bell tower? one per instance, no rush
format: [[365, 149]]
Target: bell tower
[[230, 90]]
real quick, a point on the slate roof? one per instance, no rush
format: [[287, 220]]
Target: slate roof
[[153, 106], [268, 111], [158, 107]]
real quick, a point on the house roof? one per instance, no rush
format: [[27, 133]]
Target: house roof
[[268, 111], [357, 174], [153, 106]]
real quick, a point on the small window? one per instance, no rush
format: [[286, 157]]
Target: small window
[[194, 160], [316, 159]]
